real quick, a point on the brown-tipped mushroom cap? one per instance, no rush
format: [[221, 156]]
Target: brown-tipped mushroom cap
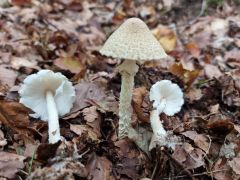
[[133, 41]]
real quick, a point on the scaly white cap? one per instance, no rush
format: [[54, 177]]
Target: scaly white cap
[[167, 97], [133, 41], [34, 89]]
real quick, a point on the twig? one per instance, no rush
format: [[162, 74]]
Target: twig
[[199, 174], [154, 170]]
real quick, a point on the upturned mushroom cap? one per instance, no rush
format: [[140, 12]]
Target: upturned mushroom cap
[[34, 88], [133, 41], [167, 97]]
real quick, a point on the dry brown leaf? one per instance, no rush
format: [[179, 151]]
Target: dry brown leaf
[[73, 64], [193, 49], [99, 168], [222, 169], [199, 139], [20, 2], [10, 164], [230, 94], [188, 156], [166, 37], [93, 119], [15, 116], [235, 165], [140, 107], [7, 76], [61, 170], [194, 94], [86, 91], [212, 71], [187, 76], [80, 129], [220, 123]]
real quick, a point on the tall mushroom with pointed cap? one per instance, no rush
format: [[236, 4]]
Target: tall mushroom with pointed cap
[[49, 95], [134, 42]]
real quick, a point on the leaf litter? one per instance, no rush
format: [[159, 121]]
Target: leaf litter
[[65, 36]]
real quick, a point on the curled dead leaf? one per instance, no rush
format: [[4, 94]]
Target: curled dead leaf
[[187, 76]]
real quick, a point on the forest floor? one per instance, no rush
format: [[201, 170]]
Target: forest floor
[[201, 37]]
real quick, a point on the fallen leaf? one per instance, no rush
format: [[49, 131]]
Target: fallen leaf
[[7, 76], [193, 49], [140, 107], [235, 165], [18, 62], [222, 169], [20, 2], [194, 94], [166, 37], [187, 76], [230, 94], [61, 170], [15, 116], [212, 71], [47, 151], [188, 156], [10, 164], [93, 119], [99, 168], [80, 129], [199, 139], [73, 64], [86, 91], [220, 123]]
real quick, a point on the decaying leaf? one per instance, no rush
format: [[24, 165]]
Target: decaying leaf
[[80, 129], [187, 76], [199, 139], [93, 119], [212, 71], [235, 165], [10, 164], [193, 49], [99, 168], [166, 37], [222, 169], [15, 116], [74, 65], [7, 76], [140, 106], [189, 156]]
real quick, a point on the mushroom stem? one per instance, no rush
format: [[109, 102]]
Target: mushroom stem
[[53, 123], [158, 129], [127, 69]]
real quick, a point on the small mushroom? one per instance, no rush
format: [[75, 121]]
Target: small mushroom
[[167, 97], [134, 42], [49, 95]]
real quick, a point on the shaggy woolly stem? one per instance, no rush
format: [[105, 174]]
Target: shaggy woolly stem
[[53, 123], [127, 69]]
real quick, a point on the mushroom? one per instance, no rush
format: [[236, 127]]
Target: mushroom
[[167, 97], [134, 42], [49, 95]]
